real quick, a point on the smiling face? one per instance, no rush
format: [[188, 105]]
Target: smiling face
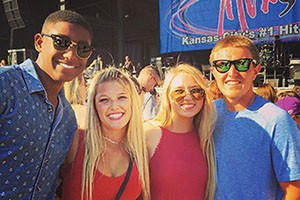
[[188, 106], [113, 106], [235, 86], [61, 66]]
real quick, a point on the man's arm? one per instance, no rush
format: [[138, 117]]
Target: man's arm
[[291, 190]]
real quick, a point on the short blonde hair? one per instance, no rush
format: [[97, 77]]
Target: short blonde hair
[[238, 42]]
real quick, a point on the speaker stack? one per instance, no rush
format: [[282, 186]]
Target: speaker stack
[[15, 11]]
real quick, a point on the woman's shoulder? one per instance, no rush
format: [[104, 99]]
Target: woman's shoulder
[[151, 126], [153, 135]]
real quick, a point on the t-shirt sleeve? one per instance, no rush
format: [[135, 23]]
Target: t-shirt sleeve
[[286, 149]]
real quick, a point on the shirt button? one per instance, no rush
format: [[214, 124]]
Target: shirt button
[[50, 110], [46, 161], [38, 188]]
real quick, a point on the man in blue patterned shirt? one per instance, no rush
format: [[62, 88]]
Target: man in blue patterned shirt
[[37, 123]]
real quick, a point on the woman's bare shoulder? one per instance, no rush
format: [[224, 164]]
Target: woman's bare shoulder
[[153, 135]]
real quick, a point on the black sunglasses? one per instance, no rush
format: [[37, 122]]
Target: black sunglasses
[[178, 94], [241, 65], [63, 43]]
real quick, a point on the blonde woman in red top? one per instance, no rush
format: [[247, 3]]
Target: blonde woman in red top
[[179, 139], [112, 149]]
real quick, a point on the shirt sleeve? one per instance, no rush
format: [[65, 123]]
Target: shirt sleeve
[[286, 149]]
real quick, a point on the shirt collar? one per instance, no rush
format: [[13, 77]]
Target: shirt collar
[[31, 78]]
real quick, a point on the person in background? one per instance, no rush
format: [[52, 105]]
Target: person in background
[[113, 146], [3, 62], [296, 89], [267, 91], [179, 138], [150, 105], [292, 106], [37, 121], [214, 91], [257, 144], [287, 93], [128, 66], [76, 94], [148, 78]]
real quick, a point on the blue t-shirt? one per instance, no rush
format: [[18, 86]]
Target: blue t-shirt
[[34, 139], [256, 149]]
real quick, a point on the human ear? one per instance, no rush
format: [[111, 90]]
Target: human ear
[[257, 70], [38, 40]]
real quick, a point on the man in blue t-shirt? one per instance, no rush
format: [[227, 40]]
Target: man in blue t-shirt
[[257, 143]]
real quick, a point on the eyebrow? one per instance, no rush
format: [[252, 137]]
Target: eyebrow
[[189, 87]]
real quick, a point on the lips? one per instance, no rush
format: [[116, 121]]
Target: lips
[[115, 116]]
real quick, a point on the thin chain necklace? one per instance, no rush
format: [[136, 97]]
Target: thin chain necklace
[[113, 141]]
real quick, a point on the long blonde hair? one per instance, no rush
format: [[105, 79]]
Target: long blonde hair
[[204, 121], [135, 139]]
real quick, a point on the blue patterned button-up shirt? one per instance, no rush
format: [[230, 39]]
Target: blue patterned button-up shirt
[[34, 139]]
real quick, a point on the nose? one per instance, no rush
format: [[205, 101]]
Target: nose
[[232, 71], [71, 52], [188, 95], [114, 105]]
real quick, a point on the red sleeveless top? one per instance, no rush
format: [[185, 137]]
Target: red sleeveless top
[[178, 168], [104, 187]]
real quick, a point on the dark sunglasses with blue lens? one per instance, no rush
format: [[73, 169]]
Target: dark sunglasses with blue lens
[[241, 65]]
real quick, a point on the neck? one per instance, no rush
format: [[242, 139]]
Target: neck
[[114, 137], [183, 125], [51, 86], [115, 142], [235, 105]]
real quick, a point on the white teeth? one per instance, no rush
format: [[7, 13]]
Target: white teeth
[[115, 116], [67, 66], [188, 105], [232, 82]]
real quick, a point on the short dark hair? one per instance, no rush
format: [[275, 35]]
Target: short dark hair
[[70, 17]]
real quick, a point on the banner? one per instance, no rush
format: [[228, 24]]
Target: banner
[[187, 25]]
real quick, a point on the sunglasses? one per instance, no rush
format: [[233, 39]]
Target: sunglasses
[[179, 94], [64, 43], [241, 65]]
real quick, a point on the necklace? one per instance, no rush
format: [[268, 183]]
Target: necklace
[[113, 141]]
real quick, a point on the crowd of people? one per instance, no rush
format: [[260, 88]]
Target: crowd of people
[[117, 137]]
